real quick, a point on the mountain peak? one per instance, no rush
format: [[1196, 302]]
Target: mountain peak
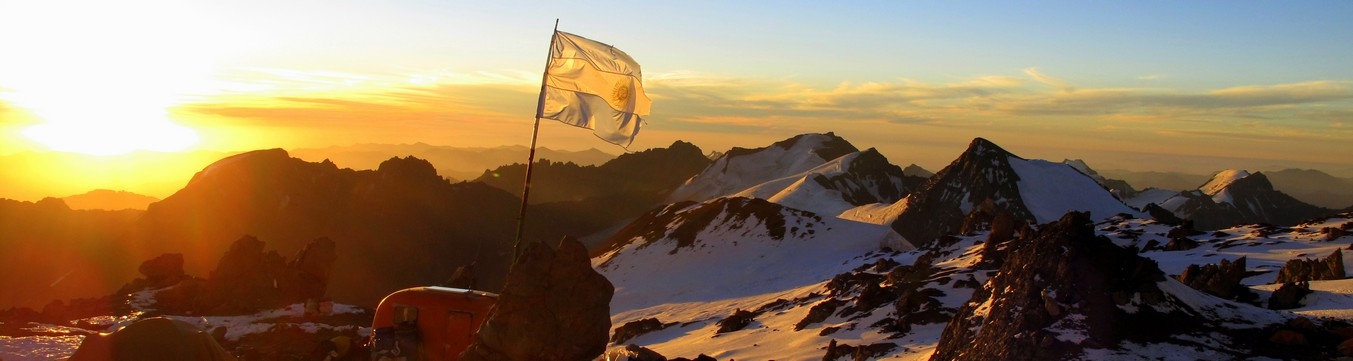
[[1221, 180], [827, 146], [740, 168], [982, 146]]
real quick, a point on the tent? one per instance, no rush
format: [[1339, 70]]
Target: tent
[[152, 339]]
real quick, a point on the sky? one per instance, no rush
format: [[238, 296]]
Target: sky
[[1145, 85]]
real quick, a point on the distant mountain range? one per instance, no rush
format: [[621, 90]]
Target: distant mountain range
[[456, 163], [1308, 185], [109, 200]]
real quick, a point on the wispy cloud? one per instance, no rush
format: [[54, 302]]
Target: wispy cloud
[[692, 102], [1033, 72]]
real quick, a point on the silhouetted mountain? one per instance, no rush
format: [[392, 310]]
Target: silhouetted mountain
[[1314, 187], [109, 200], [653, 171], [582, 200], [398, 226], [457, 163], [989, 180], [916, 171], [1236, 197], [52, 252]]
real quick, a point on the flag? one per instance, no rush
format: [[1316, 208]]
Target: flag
[[595, 86]]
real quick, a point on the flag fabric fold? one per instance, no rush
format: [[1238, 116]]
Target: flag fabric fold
[[592, 85]]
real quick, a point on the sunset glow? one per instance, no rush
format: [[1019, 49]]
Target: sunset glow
[[1158, 86]]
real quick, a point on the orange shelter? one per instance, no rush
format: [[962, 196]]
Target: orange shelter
[[446, 319]]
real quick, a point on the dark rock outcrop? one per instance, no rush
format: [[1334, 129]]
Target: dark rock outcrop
[[163, 271], [553, 307], [634, 329], [837, 351], [1065, 269], [981, 175], [634, 352], [737, 321], [1299, 270], [1289, 295], [1221, 280]]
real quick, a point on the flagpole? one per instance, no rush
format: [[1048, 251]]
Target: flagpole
[[531, 160]]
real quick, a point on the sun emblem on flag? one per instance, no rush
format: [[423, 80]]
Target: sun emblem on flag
[[621, 93]]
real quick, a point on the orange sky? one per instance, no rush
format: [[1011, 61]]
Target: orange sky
[[1147, 86]]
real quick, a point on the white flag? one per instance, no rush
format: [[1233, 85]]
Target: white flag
[[595, 86]]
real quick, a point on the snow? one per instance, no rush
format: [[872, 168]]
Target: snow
[[50, 348], [1151, 195], [731, 175], [1221, 180], [1051, 189], [38, 348], [733, 262]]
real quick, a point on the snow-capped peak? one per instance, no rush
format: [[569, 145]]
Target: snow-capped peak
[[740, 169], [1221, 180]]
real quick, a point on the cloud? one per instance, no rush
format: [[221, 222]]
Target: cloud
[[1033, 72]]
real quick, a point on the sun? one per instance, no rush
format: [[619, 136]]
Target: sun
[[102, 76], [112, 138]]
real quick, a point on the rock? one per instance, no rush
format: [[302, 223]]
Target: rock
[[1332, 233], [1346, 347], [634, 329], [1302, 324], [819, 312], [555, 306], [1221, 280], [311, 269], [1289, 338], [861, 353], [737, 321], [1298, 270], [1288, 296], [245, 280], [633, 352], [1342, 333], [1083, 275], [1181, 244], [163, 271]]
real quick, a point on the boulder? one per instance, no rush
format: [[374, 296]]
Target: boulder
[[1288, 338], [1299, 270], [309, 272], [163, 271], [634, 329], [633, 353], [555, 306], [245, 280], [1221, 279], [1288, 296], [737, 321]]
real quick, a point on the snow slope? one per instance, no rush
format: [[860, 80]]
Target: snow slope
[[739, 171], [722, 277], [1051, 189]]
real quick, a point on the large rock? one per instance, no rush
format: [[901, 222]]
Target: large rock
[[1066, 276], [310, 271], [1299, 270], [1221, 280], [163, 271], [555, 306], [245, 280]]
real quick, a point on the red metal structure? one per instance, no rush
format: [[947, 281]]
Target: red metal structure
[[446, 320]]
